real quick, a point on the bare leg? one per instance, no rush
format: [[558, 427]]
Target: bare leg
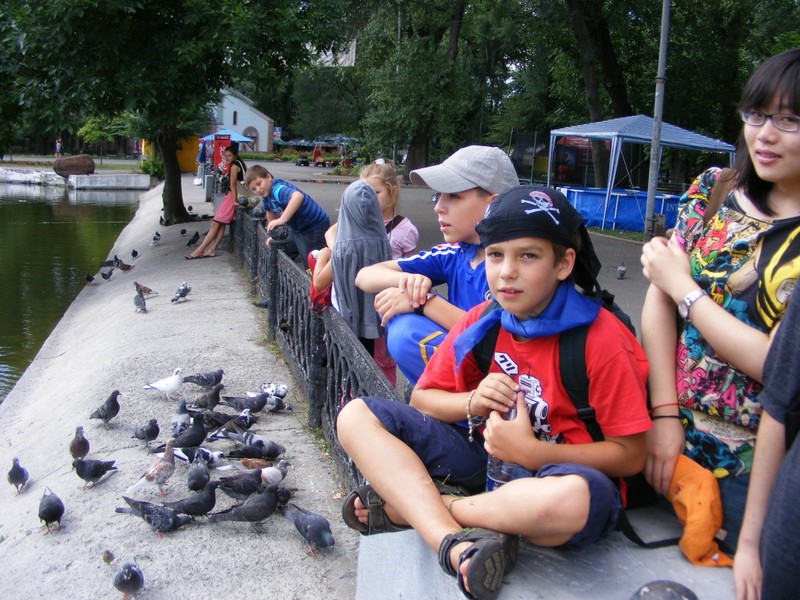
[[211, 249], [212, 232]]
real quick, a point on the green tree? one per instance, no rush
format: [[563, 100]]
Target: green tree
[[163, 60]]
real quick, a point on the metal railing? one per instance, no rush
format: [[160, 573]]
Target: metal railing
[[327, 359]]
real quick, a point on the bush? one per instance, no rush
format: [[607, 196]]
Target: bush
[[152, 166]]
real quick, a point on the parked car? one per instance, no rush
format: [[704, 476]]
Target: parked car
[[302, 161]]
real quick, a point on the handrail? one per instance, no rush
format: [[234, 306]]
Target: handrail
[[325, 356]]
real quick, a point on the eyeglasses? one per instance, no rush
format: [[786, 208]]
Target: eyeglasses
[[784, 122], [435, 197]]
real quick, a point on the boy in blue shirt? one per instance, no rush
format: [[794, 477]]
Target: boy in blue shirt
[[287, 205], [415, 316]]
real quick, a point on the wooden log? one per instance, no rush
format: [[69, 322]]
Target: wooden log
[[80, 164]]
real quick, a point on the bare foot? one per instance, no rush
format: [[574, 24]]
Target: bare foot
[[362, 513]]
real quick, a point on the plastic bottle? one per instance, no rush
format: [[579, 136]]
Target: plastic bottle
[[499, 471]]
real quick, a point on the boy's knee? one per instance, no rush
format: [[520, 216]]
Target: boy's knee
[[351, 418]]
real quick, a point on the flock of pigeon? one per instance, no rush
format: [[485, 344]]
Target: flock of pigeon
[[142, 291], [252, 472]]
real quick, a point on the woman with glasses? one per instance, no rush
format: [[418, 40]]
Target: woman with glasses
[[730, 275]]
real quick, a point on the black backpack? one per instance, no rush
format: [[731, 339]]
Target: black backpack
[[572, 367]]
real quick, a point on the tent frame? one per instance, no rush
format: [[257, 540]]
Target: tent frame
[[637, 129]]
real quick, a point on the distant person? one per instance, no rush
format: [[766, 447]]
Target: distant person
[[226, 211], [564, 170], [416, 317], [288, 205], [59, 149], [315, 155]]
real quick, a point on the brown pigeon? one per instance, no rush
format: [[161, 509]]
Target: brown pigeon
[[159, 472], [79, 446]]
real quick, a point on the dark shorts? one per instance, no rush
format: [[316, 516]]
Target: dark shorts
[[444, 448], [604, 501]]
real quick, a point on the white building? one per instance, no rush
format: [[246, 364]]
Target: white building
[[237, 113]]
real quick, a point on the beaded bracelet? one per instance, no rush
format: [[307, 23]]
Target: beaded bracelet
[[665, 417], [469, 418]]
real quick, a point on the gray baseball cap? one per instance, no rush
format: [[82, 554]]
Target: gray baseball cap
[[485, 167]]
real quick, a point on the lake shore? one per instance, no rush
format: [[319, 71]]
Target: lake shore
[[102, 344]]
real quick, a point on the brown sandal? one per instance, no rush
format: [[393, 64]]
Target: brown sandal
[[377, 522]]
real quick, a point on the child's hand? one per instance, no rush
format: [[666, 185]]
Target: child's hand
[[274, 223], [495, 393], [503, 439], [667, 267], [415, 287], [390, 302]]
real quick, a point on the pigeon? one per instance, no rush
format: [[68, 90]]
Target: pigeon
[[194, 239], [107, 274], [111, 262], [274, 475], [146, 291], [198, 476], [255, 509], [248, 464], [147, 432], [121, 265], [193, 436], [242, 437], [621, 270], [79, 446], [160, 518], [254, 403], [91, 471], [210, 399], [275, 404], [108, 410], [315, 529], [89, 278], [664, 589], [258, 449], [197, 505], [240, 486], [18, 476], [139, 303], [205, 380], [241, 421], [107, 556], [181, 419], [51, 509], [129, 580], [182, 292], [159, 472], [134, 254], [156, 238], [276, 389], [183, 232], [168, 385], [212, 459]]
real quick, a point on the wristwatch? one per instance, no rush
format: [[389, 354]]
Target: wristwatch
[[420, 310], [685, 304]]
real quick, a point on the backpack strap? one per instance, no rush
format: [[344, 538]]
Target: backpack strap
[[572, 369], [721, 189]]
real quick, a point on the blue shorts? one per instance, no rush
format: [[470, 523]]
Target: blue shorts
[[411, 340], [604, 501], [444, 448]]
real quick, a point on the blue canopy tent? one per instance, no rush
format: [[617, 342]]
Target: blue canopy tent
[[637, 129]]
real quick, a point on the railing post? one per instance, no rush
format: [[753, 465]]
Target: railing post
[[317, 376], [279, 242]]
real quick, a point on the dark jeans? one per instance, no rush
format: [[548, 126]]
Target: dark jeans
[[303, 243]]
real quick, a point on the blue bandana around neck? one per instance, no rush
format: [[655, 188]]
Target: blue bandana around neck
[[568, 309]]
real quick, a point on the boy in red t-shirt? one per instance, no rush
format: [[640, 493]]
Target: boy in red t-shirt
[[536, 245]]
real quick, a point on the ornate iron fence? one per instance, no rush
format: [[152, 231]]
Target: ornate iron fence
[[326, 357]]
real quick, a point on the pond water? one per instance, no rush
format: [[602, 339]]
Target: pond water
[[50, 238]]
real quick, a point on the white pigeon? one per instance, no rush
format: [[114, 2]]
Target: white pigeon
[[168, 385], [274, 475]]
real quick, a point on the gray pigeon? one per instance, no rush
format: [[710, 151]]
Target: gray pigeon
[[193, 436], [51, 509], [274, 475], [183, 291], [205, 380], [139, 302], [194, 239], [315, 529], [91, 471], [210, 399], [198, 475], [275, 389], [621, 270], [107, 274], [160, 518], [129, 580], [18, 475], [258, 449], [147, 432], [239, 487], [156, 238], [108, 410], [168, 385], [254, 403], [79, 445], [276, 403], [255, 509], [197, 505], [180, 420]]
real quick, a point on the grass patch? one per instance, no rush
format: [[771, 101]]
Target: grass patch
[[635, 236]]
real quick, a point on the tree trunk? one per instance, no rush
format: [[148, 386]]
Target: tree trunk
[[174, 210], [418, 147]]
